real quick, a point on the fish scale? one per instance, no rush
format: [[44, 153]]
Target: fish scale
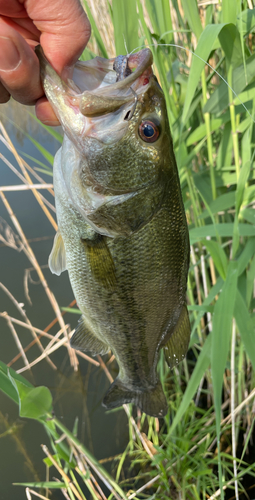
[[122, 234]]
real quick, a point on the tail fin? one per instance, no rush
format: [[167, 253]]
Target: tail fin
[[151, 402]]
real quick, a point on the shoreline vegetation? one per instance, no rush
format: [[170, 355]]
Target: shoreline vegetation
[[204, 447]]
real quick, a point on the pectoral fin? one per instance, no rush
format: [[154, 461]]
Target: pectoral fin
[[177, 346], [84, 340], [57, 258], [100, 260]]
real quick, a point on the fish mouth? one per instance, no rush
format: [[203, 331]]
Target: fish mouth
[[111, 83], [101, 97]]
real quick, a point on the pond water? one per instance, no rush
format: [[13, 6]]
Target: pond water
[[75, 394]]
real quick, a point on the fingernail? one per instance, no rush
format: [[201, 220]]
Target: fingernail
[[9, 54]]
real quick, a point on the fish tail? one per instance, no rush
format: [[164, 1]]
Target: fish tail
[[153, 402]]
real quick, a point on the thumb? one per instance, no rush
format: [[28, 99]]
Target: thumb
[[64, 27]]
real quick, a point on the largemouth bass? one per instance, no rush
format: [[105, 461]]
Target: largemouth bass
[[122, 234]]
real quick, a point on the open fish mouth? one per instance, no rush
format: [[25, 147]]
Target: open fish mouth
[[102, 95]]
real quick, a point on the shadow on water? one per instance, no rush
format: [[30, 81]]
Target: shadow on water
[[75, 394]]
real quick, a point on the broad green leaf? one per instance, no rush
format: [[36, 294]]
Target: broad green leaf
[[34, 402], [5, 383], [218, 255], [246, 327], [125, 23], [202, 53], [230, 41], [7, 387], [225, 229], [229, 11]]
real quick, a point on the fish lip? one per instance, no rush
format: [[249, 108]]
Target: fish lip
[[92, 104], [111, 97], [102, 94]]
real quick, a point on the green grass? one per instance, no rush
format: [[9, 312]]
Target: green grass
[[211, 115]]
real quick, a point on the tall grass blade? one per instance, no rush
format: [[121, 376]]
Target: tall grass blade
[[201, 366], [244, 174], [192, 15], [246, 326], [95, 30], [51, 130], [221, 334], [125, 22], [49, 157], [224, 229], [212, 294], [219, 99], [229, 11], [218, 255], [202, 53], [160, 16]]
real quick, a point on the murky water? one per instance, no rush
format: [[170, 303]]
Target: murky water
[[76, 394]]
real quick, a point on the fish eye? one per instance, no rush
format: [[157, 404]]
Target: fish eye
[[149, 131]]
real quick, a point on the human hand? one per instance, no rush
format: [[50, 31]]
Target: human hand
[[62, 29]]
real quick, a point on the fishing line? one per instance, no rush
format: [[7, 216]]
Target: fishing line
[[201, 59]]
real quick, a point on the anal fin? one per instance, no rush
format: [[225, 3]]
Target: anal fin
[[177, 346], [152, 401], [57, 258], [84, 340]]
